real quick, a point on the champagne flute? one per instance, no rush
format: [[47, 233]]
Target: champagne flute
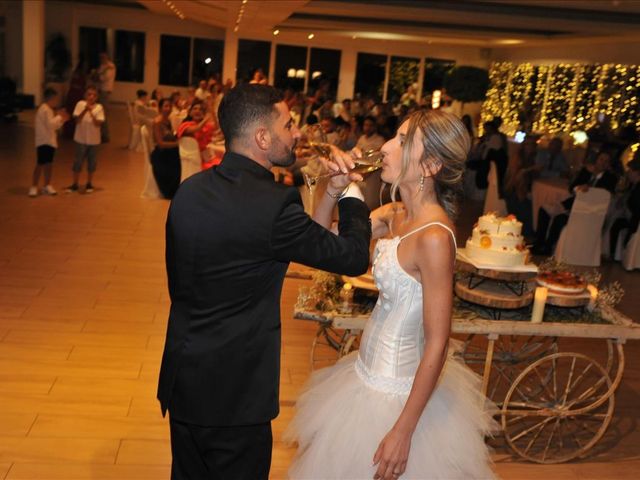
[[370, 161]]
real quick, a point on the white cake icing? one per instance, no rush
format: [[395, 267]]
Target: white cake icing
[[497, 241]]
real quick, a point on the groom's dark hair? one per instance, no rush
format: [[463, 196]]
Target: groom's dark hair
[[244, 105]]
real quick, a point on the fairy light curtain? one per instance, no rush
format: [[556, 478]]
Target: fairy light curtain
[[562, 97]]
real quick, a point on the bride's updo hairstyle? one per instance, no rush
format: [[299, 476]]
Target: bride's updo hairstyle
[[446, 144]]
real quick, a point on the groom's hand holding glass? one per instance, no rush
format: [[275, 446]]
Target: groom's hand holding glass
[[340, 165]]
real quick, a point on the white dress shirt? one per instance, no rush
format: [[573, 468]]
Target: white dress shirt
[[87, 132], [46, 124]]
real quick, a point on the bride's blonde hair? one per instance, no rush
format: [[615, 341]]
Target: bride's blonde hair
[[446, 145]]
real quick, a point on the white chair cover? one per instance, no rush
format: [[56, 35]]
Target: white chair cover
[[150, 189], [492, 202], [190, 158], [631, 255], [580, 241], [134, 130]]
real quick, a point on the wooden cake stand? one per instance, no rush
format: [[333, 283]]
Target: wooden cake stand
[[495, 289]]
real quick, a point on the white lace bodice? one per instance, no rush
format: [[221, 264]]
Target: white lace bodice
[[393, 339]]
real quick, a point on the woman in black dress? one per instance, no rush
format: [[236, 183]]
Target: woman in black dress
[[165, 158]]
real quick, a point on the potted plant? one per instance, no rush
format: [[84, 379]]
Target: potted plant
[[467, 84]]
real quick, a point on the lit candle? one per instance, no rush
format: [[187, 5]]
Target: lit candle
[[346, 295], [593, 293], [539, 300]]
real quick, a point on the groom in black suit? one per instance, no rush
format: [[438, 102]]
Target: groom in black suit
[[231, 233]]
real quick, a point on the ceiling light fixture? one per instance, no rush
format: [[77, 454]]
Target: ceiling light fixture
[[276, 32], [310, 36]]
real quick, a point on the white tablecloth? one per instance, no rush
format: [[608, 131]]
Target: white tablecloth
[[548, 191]]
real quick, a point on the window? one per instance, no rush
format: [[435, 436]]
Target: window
[[129, 57], [403, 79], [174, 60], [324, 65], [252, 54], [370, 73], [207, 59], [93, 42], [291, 67], [435, 70]]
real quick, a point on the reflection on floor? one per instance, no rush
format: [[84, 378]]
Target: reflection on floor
[[83, 309]]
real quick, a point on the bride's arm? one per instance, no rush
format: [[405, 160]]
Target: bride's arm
[[435, 257]]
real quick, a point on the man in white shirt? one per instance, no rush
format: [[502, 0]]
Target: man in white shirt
[[89, 117], [370, 140], [46, 123], [202, 93], [107, 78]]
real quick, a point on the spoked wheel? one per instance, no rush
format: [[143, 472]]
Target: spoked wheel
[[511, 354], [558, 408], [351, 343], [326, 346]]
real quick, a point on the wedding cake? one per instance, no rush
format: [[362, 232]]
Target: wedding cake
[[497, 241]]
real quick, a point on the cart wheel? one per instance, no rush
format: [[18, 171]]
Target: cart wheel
[[325, 349], [557, 408], [351, 343], [511, 354]]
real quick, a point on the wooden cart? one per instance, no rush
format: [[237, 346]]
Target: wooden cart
[[553, 406]]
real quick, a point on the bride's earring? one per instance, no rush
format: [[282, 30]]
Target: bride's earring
[[421, 184]]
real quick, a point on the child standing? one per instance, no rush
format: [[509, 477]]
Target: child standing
[[89, 116], [46, 123]]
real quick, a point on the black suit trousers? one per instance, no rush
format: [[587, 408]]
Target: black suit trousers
[[220, 453]]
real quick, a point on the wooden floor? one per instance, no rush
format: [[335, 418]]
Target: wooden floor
[[83, 310]]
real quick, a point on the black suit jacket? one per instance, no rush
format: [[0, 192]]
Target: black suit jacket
[[231, 233], [607, 181]]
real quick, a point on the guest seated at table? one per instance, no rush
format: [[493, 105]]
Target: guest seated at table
[[156, 96], [518, 185], [631, 216], [202, 91], [596, 175], [165, 158], [201, 126], [550, 163], [328, 125], [370, 140]]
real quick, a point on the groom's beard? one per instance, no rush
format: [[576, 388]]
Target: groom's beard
[[286, 158]]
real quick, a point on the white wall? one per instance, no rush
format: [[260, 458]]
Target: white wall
[[625, 53], [67, 18]]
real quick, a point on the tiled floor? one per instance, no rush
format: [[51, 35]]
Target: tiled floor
[[83, 308]]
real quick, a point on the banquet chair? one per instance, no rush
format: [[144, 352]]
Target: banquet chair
[[492, 201], [150, 189], [190, 158], [580, 242], [631, 254], [134, 130]]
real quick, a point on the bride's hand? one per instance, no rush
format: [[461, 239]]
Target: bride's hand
[[392, 454], [342, 163]]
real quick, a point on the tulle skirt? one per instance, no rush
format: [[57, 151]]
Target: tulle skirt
[[340, 422]]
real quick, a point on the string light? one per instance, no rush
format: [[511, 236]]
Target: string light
[[563, 97], [172, 6]]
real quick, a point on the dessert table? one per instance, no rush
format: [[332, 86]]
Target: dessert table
[[553, 406]]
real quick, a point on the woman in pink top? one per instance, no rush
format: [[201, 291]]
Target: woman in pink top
[[202, 127]]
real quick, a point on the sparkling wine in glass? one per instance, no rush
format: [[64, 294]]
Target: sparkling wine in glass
[[370, 161]]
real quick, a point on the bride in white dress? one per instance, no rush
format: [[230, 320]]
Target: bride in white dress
[[403, 406]]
